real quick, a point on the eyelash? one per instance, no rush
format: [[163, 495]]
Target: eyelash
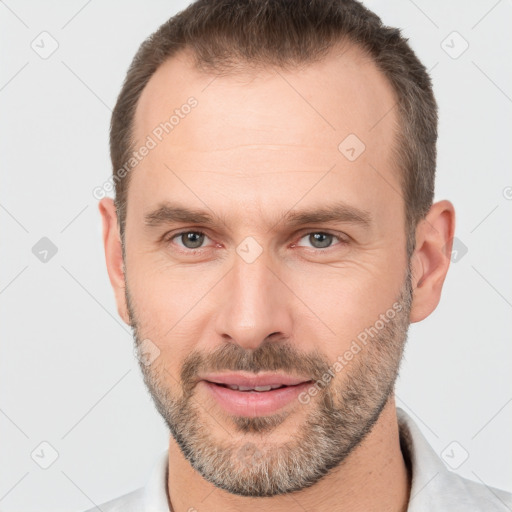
[[342, 238]]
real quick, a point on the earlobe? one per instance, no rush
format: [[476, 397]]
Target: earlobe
[[114, 255], [431, 258]]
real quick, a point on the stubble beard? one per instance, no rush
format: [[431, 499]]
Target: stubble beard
[[249, 463]]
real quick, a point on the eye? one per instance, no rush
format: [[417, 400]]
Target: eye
[[321, 239], [189, 239], [194, 240]]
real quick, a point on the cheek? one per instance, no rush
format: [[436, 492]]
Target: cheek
[[345, 302], [168, 304]]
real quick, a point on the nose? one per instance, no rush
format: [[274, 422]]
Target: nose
[[254, 304]]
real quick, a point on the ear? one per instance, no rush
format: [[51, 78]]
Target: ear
[[114, 255], [431, 258]]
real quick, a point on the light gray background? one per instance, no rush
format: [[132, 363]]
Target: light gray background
[[67, 370]]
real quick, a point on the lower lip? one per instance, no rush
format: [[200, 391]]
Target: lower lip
[[254, 403]]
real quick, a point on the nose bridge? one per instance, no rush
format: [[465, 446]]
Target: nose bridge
[[254, 304]]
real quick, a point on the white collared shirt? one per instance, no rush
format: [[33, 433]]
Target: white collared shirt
[[434, 488]]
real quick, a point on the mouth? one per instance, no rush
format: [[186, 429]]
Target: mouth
[[249, 388], [254, 395]]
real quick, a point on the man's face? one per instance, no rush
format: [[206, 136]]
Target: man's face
[[259, 292]]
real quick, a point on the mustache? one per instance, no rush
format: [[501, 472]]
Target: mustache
[[269, 356]]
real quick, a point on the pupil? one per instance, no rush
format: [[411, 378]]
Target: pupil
[[320, 240], [192, 240]]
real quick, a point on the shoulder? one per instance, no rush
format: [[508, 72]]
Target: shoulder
[[434, 487], [153, 496], [131, 502], [457, 493]]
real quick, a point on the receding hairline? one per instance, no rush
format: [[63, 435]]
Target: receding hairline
[[248, 69], [240, 68]]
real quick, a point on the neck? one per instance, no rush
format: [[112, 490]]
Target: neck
[[373, 477]]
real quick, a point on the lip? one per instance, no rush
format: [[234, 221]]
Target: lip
[[253, 403]]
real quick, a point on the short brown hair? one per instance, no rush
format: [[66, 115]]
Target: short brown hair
[[223, 34]]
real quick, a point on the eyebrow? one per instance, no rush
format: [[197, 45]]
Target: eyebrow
[[168, 213], [338, 212]]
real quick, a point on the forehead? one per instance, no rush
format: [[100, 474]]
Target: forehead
[[344, 90], [269, 127]]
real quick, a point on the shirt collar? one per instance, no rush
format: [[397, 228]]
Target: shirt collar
[[155, 495], [423, 462]]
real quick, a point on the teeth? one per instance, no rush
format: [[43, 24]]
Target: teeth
[[263, 388], [255, 388]]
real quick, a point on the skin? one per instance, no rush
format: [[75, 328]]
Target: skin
[[260, 143]]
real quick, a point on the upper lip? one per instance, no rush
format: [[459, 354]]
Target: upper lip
[[253, 380]]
